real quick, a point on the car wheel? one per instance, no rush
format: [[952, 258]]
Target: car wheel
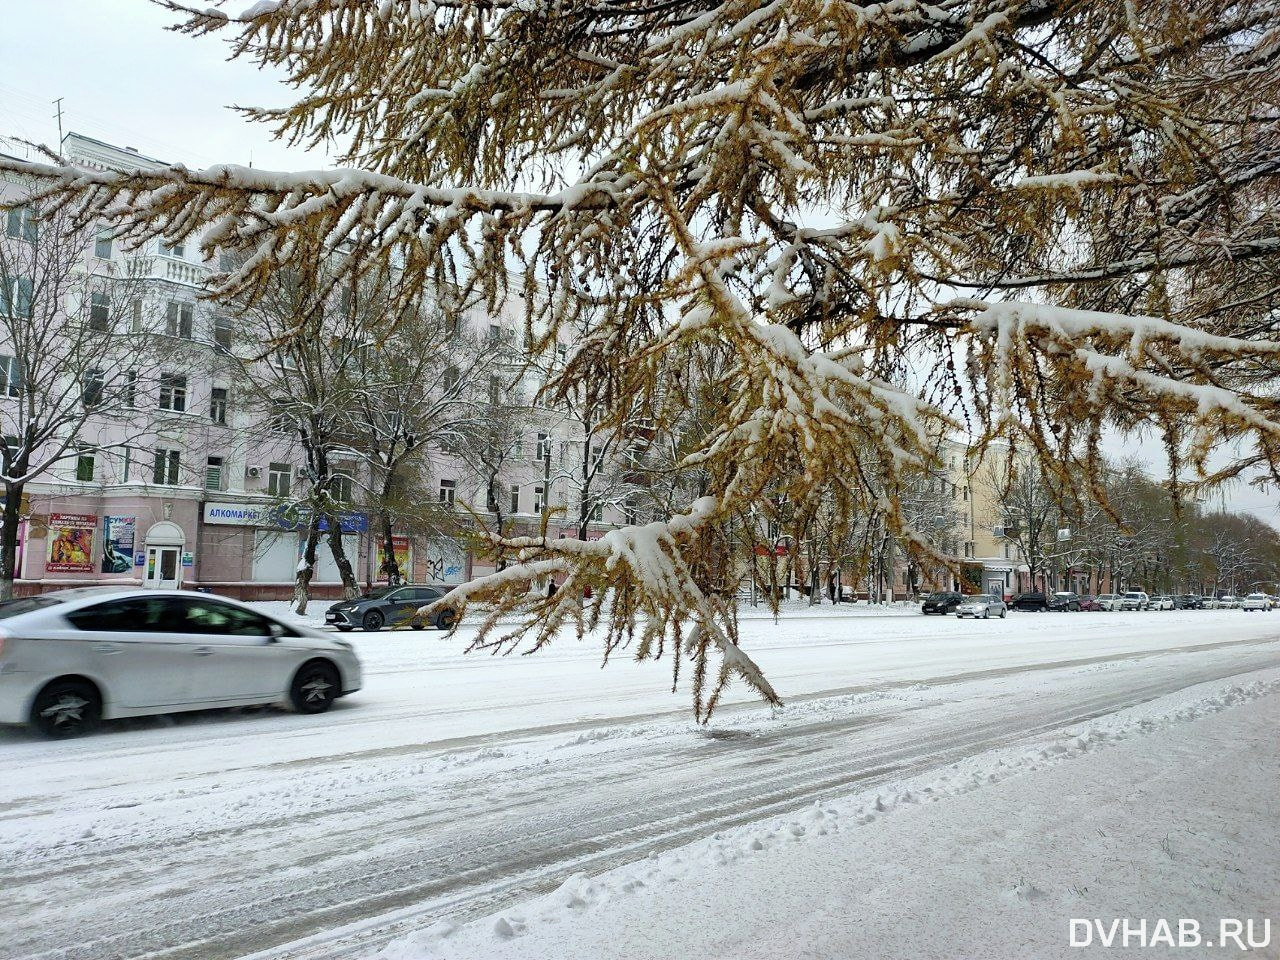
[[986, 614], [373, 621], [417, 626], [1003, 614], [315, 687], [346, 629], [447, 619], [66, 709]]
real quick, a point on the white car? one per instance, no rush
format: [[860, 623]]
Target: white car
[[1162, 603], [73, 657], [1256, 601], [983, 605], [1228, 602], [1135, 600], [1109, 601], [1209, 603]]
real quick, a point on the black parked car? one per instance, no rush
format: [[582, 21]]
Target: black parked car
[[1188, 602], [394, 606], [1066, 600], [942, 602]]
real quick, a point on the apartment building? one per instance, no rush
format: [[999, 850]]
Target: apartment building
[[183, 487]]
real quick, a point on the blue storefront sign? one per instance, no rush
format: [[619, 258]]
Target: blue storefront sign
[[283, 518]]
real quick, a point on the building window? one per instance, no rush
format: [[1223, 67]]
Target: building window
[[562, 354], [495, 389], [968, 549], [218, 405], [173, 392], [451, 378], [515, 497], [279, 479], [99, 312], [222, 334], [21, 224], [544, 447], [84, 465], [343, 488], [15, 297], [10, 376], [179, 319], [597, 513], [91, 387], [280, 422], [166, 467], [135, 316], [177, 250], [129, 389], [213, 473], [102, 245], [539, 498], [448, 491], [495, 333]]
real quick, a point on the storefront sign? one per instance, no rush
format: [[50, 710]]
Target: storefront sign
[[273, 515], [71, 542], [237, 514], [188, 559], [118, 535]]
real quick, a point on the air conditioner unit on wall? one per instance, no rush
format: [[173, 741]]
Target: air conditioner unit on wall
[[253, 472]]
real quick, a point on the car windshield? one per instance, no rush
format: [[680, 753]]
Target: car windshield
[[940, 596], [379, 594], [11, 608]]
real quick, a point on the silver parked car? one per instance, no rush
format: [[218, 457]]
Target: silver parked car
[[983, 605], [72, 657]]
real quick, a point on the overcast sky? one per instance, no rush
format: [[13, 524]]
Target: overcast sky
[[125, 79]]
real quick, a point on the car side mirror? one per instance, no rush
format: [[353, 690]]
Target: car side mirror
[[277, 631]]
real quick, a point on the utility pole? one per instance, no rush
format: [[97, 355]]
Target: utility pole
[[58, 104]]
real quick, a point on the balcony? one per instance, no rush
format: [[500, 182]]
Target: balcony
[[169, 269]]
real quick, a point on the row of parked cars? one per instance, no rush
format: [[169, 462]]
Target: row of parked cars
[[988, 605]]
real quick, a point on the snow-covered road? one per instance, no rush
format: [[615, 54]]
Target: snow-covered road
[[452, 785]]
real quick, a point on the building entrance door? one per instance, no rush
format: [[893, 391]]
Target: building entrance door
[[164, 568]]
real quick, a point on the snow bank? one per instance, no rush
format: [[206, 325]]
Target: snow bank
[[1162, 811]]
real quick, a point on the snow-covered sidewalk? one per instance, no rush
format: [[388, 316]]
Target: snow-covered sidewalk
[[1167, 811]]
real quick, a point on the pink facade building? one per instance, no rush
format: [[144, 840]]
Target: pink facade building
[[183, 490]]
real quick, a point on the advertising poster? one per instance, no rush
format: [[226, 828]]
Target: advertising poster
[[403, 549], [71, 542], [117, 544]]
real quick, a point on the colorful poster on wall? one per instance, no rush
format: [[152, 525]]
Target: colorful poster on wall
[[402, 547], [71, 542], [118, 543]]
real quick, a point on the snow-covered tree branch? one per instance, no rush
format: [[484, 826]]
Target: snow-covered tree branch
[[768, 210]]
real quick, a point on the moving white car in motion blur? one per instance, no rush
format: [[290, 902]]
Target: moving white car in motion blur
[[71, 658]]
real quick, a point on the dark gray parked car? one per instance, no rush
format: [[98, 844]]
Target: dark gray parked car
[[390, 607]]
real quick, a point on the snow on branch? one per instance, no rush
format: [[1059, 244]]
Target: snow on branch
[[635, 582]]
